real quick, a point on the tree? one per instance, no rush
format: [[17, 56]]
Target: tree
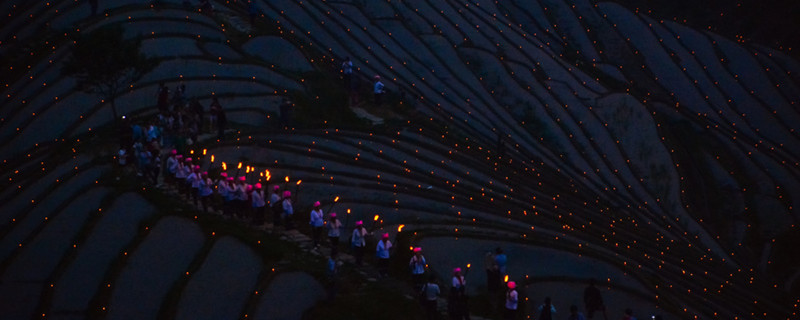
[[105, 63]]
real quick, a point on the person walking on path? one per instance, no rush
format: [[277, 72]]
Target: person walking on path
[[359, 240], [378, 89], [492, 273], [430, 298], [347, 71], [275, 205], [574, 314], [457, 304], [382, 250], [334, 232], [512, 302], [316, 221], [288, 209], [593, 300], [546, 310], [501, 260], [417, 265], [258, 205]]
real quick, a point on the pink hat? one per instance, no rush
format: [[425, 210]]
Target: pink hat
[[287, 194], [276, 187], [197, 168], [316, 204], [386, 236], [359, 223], [205, 173], [223, 174], [188, 159], [242, 178], [377, 76], [258, 186], [174, 151], [512, 284], [333, 214], [417, 249], [229, 179], [249, 188], [179, 156], [457, 270]]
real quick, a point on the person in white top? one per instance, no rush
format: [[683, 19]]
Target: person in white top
[[418, 265], [512, 300], [259, 204], [316, 221], [275, 205], [193, 180], [430, 293], [288, 209], [382, 250], [334, 232], [457, 303], [359, 241], [172, 166], [206, 190]]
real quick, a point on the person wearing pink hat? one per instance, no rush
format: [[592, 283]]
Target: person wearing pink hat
[[180, 174], [259, 203], [417, 265], [382, 251], [206, 190], [222, 191], [230, 195], [457, 301], [512, 302], [275, 205], [240, 198], [288, 209], [172, 166], [193, 180], [316, 220], [334, 232], [359, 240]]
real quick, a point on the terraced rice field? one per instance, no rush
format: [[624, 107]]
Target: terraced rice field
[[588, 140]]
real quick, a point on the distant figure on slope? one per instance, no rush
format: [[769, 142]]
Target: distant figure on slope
[[162, 97], [359, 240], [316, 221], [378, 90], [430, 297], [275, 205], [93, 4], [258, 203], [347, 71], [546, 310], [382, 251], [593, 300], [501, 260], [288, 209], [574, 314], [457, 303], [492, 273], [334, 232], [512, 302], [628, 315], [417, 265]]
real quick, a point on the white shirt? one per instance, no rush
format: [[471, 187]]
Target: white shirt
[[258, 199], [417, 264], [316, 218], [378, 87], [334, 228], [458, 284], [358, 237], [205, 187], [172, 164], [347, 67], [511, 300], [287, 206], [383, 249]]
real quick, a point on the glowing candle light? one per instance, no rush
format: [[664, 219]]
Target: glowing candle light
[[375, 218], [286, 179], [239, 166], [204, 151], [224, 166], [400, 229], [299, 181], [212, 158], [505, 279]]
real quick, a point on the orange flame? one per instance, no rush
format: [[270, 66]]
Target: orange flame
[[266, 174], [224, 166], [204, 151], [468, 265], [400, 229], [298, 182], [240, 166], [336, 199], [375, 218], [286, 179], [191, 151], [505, 279], [212, 158]]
